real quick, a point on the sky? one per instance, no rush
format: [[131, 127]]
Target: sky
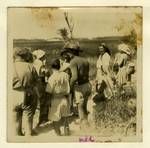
[[43, 23]]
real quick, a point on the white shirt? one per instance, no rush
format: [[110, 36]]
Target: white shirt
[[58, 83], [37, 64], [103, 62]]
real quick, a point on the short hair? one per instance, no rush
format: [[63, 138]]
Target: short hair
[[55, 64], [29, 57]]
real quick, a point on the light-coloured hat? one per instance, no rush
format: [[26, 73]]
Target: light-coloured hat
[[70, 46], [125, 48], [38, 53]]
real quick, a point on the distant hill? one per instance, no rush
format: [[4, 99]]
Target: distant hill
[[23, 42], [89, 46]]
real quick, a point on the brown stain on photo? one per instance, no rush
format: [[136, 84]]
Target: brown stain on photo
[[44, 16], [138, 26]]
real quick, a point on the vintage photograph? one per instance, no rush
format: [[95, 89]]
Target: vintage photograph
[[74, 74]]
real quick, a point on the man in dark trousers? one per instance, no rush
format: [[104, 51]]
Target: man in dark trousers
[[79, 82], [43, 74]]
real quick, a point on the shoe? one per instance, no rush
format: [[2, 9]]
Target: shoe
[[34, 133], [21, 133], [58, 132]]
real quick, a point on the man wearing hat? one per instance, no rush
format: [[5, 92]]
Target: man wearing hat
[[43, 74], [79, 82]]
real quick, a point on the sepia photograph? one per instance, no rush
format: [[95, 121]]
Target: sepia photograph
[[74, 74]]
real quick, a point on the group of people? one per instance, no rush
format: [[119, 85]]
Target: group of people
[[55, 90]]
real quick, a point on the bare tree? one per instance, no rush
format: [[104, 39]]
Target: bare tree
[[67, 33], [70, 24]]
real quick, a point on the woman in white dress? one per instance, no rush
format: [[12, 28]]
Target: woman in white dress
[[122, 60], [59, 89], [103, 70]]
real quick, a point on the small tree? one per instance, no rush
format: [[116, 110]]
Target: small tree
[[70, 24], [67, 34], [64, 34]]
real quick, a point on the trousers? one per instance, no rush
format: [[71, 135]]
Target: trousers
[[23, 109], [82, 92]]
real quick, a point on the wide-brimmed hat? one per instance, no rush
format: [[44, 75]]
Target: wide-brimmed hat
[[125, 48], [71, 46], [38, 53]]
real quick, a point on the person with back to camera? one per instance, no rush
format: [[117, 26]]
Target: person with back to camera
[[24, 92], [80, 86], [58, 87]]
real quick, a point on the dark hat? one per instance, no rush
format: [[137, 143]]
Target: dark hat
[[22, 51]]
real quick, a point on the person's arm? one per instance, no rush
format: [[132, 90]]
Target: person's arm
[[67, 83], [34, 75], [121, 60], [74, 74], [35, 82]]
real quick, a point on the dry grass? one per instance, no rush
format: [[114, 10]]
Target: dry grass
[[113, 116], [116, 114]]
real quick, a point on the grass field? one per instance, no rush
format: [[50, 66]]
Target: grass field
[[113, 116]]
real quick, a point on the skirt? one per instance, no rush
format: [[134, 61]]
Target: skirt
[[122, 76], [59, 108]]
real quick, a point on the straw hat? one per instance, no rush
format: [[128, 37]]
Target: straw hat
[[72, 46], [38, 53], [125, 48]]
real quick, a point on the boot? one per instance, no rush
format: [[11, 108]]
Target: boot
[[66, 127], [66, 131], [57, 128], [20, 129]]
